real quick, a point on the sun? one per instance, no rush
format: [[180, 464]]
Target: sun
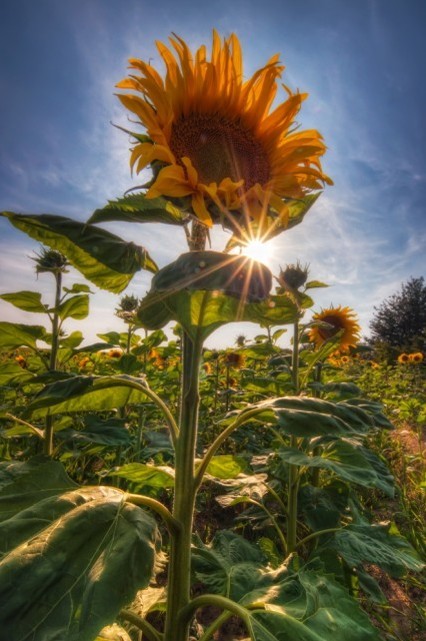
[[256, 250]]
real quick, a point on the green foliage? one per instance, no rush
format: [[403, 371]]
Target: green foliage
[[103, 258], [136, 208], [400, 320]]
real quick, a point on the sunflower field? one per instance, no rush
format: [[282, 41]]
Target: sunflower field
[[153, 488]]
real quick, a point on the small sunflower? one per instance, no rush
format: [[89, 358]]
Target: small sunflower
[[403, 358], [115, 353], [212, 137], [338, 319], [235, 360], [21, 361], [416, 357]]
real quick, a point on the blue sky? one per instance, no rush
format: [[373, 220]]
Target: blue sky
[[361, 61]]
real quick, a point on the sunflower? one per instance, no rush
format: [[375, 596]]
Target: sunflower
[[416, 357], [212, 137], [403, 358], [338, 319]]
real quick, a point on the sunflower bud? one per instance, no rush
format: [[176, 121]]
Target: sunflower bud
[[50, 260], [293, 277]]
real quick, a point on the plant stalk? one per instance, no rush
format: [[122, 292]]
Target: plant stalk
[[48, 434], [178, 585]]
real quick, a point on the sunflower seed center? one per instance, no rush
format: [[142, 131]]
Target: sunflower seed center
[[220, 148]]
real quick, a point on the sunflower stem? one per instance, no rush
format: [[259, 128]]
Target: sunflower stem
[[178, 587]]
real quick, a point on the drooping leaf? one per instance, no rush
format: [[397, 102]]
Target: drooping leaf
[[309, 417], [111, 432], [375, 544], [159, 476], [322, 507], [281, 604], [87, 393], [345, 460], [13, 335], [72, 578], [136, 208], [26, 300], [22, 484], [103, 258]]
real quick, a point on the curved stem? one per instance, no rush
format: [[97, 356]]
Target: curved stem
[[274, 522], [174, 430], [314, 535], [213, 627], [240, 420], [34, 429], [147, 628], [293, 480], [156, 506], [222, 602]]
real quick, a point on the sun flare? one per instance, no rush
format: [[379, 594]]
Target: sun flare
[[256, 250]]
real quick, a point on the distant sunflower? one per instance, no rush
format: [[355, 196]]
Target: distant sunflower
[[403, 359], [338, 319], [416, 357], [213, 136]]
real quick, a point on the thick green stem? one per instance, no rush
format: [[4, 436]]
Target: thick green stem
[[317, 450], [178, 585], [293, 483], [48, 434]]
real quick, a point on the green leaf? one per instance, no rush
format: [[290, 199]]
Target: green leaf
[[75, 307], [72, 578], [230, 566], [26, 300], [142, 474], [281, 604], [13, 335], [11, 373], [226, 466], [313, 284], [22, 484], [374, 544], [72, 341], [103, 258], [309, 417], [204, 290], [343, 459], [87, 393], [322, 507], [111, 432], [78, 288], [136, 208]]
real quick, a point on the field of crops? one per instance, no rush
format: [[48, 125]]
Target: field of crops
[[155, 489]]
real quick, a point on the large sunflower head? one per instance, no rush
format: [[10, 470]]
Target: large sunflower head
[[213, 139], [333, 321]]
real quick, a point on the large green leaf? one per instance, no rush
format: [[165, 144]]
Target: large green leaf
[[71, 579], [13, 335], [26, 300], [22, 484], [345, 460], [204, 290], [87, 393], [136, 208], [103, 258], [309, 417], [360, 544], [111, 432], [281, 604]]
